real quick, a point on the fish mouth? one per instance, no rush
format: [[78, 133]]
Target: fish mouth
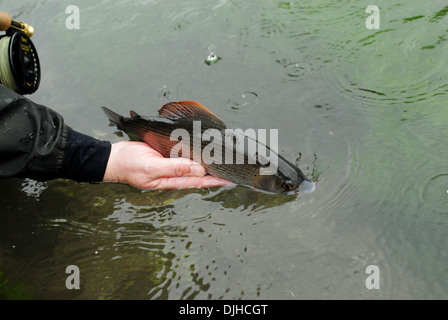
[[306, 187]]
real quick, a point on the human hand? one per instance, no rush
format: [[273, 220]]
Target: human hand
[[139, 165]]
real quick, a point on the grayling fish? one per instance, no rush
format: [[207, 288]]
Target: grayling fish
[[157, 132]]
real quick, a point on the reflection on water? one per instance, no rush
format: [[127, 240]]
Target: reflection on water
[[250, 200], [142, 240], [361, 111]]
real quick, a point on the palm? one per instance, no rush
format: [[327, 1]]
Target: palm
[[137, 164]]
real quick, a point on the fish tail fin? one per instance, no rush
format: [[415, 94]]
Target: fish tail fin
[[114, 117]]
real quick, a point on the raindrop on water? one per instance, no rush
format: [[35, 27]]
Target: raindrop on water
[[246, 100], [166, 92], [212, 57], [297, 70]]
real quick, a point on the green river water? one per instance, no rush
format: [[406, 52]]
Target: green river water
[[361, 111]]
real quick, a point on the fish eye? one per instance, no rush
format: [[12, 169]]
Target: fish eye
[[288, 186]]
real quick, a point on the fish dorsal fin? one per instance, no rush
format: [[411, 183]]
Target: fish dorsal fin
[[189, 109]]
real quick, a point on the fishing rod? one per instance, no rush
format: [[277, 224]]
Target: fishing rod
[[19, 62]]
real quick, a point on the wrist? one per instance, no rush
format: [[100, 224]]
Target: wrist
[[113, 168]]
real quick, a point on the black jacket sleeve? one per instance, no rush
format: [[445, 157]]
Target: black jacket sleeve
[[36, 143], [85, 158]]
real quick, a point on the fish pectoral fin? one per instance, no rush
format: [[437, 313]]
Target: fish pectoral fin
[[191, 110]]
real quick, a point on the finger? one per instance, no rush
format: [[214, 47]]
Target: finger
[[190, 182], [175, 167]]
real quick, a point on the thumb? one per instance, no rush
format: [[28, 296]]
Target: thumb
[[178, 167]]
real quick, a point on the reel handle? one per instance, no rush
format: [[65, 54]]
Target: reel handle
[[6, 22]]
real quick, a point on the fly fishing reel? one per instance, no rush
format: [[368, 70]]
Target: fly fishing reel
[[19, 62]]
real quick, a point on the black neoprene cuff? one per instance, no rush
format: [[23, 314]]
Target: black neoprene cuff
[[85, 158]]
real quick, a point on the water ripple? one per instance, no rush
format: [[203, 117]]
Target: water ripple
[[294, 71], [243, 105], [346, 188], [434, 190]]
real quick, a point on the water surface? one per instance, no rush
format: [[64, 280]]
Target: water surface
[[362, 112]]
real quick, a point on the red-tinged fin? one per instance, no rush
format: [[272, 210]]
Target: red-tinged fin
[[134, 115], [189, 109]]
